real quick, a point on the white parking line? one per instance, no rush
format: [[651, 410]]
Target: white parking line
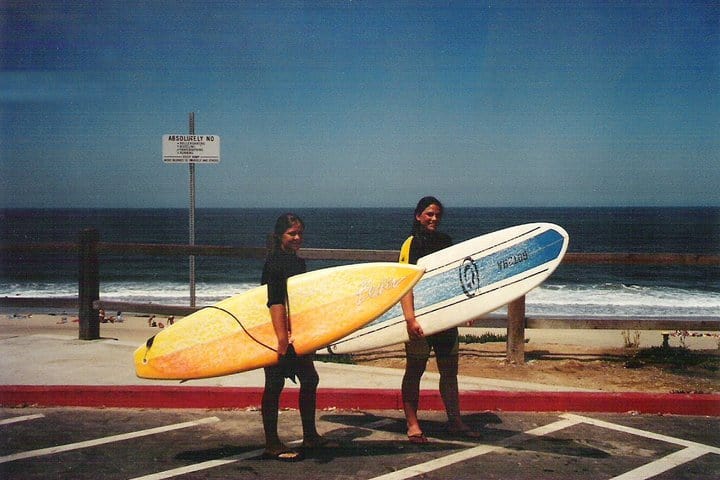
[[664, 464], [472, 452], [101, 441], [398, 475], [640, 433], [205, 465], [8, 421], [243, 456], [199, 466], [691, 451]]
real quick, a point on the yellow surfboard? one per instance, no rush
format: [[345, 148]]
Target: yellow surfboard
[[236, 334]]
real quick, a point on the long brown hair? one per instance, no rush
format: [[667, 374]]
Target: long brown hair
[[284, 221]]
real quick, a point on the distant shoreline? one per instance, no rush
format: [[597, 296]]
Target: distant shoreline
[[388, 207]]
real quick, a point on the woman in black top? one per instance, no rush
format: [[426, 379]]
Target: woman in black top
[[282, 263], [426, 239]]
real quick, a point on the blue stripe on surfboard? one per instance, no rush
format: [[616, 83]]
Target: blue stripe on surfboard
[[491, 247], [490, 270], [496, 287], [389, 323]]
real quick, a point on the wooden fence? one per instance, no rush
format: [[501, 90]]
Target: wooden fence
[[88, 300]]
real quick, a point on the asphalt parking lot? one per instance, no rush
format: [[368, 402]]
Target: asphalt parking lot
[[119, 443]]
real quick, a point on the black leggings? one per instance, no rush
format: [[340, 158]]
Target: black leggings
[[274, 384]]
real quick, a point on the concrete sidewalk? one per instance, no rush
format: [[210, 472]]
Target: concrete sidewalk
[[63, 360], [60, 370]]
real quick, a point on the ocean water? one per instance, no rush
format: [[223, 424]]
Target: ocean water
[[573, 290]]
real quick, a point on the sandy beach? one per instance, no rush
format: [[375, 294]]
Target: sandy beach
[[136, 329]]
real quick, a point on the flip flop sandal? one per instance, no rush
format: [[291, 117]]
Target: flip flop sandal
[[418, 439]]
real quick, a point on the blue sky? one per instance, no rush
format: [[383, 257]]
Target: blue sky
[[355, 103]]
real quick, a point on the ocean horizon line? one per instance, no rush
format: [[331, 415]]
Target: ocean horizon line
[[557, 207]]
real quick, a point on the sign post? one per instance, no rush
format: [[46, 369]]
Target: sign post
[[191, 149]]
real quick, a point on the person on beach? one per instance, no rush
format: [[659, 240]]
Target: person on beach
[[424, 240], [282, 262]]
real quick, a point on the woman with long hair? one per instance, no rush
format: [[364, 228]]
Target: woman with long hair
[[283, 262], [425, 239]]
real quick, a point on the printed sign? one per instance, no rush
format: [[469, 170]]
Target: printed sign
[[191, 148]]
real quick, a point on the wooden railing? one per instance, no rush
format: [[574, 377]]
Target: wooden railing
[[88, 300]]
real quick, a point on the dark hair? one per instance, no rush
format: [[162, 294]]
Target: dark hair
[[422, 204], [284, 221]]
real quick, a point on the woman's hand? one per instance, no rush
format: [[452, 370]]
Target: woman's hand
[[282, 346], [408, 307], [414, 328]]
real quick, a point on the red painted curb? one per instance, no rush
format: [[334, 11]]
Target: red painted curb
[[608, 402], [137, 396]]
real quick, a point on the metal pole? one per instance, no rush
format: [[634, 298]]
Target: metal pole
[[192, 216]]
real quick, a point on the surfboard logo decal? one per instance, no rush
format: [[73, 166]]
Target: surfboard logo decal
[[369, 289], [469, 277]]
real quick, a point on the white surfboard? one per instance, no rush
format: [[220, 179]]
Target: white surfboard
[[468, 280]]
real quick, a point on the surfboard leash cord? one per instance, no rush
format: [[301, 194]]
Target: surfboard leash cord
[[243, 327], [150, 340]]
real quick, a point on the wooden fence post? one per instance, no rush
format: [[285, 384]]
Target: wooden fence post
[[89, 285], [516, 332]]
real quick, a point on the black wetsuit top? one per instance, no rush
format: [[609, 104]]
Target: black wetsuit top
[[278, 268], [425, 243]]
